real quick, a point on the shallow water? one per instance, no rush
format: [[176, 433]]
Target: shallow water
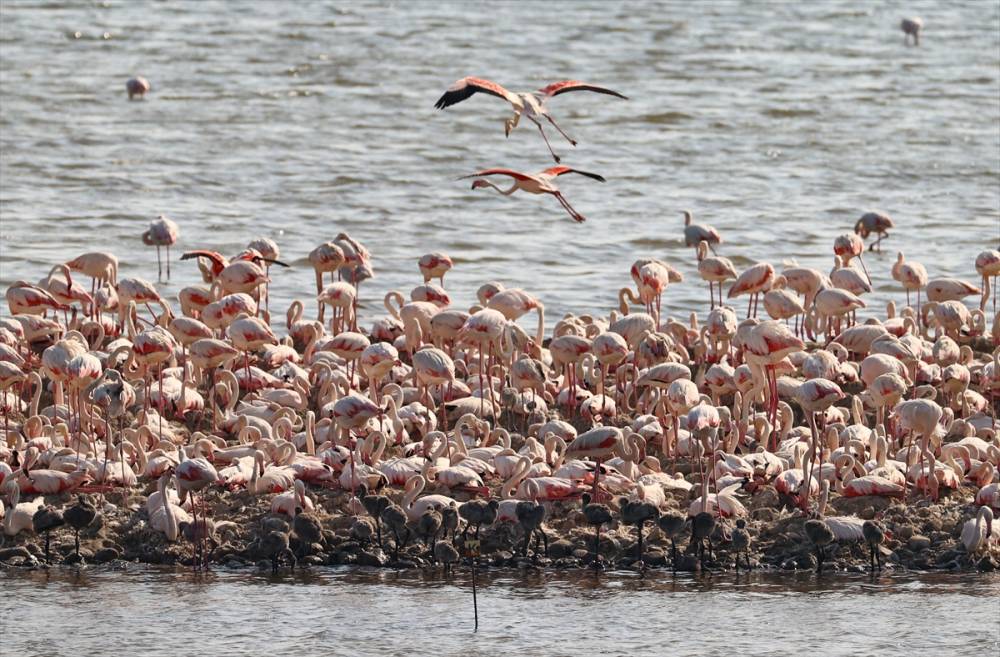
[[364, 612], [779, 123]]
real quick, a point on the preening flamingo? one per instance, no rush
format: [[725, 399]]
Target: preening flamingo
[[532, 105], [539, 183]]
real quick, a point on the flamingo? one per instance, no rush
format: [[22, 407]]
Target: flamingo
[[542, 182], [513, 303], [327, 257], [911, 275], [714, 270], [19, 516], [600, 443], [987, 266], [849, 246], [162, 231], [874, 222], [695, 234], [766, 345], [434, 265], [753, 281], [24, 298], [950, 289], [532, 105], [978, 534], [911, 27], [137, 86]]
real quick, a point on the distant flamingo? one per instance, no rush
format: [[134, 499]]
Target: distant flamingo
[[695, 234], [532, 105], [911, 28], [539, 183], [161, 232], [874, 222], [137, 86], [911, 275]]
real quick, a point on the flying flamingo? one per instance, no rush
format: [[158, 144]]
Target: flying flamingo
[[539, 183], [532, 105], [161, 232]]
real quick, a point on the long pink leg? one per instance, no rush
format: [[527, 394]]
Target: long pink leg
[[554, 156], [556, 126], [569, 208]]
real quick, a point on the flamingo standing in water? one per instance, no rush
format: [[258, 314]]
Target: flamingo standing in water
[[539, 183], [911, 275], [911, 28], [695, 234], [753, 281], [161, 232], [532, 105], [714, 270], [434, 265], [874, 222], [137, 86]]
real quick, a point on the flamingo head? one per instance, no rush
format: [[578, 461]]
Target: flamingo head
[[479, 182]]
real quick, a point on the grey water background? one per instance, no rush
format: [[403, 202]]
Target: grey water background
[[343, 611], [777, 122]]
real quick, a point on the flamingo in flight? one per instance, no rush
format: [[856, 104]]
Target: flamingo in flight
[[531, 104], [539, 183]]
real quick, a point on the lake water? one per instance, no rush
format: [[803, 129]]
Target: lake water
[[779, 123], [361, 612]]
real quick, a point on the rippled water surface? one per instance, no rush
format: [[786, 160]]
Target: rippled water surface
[[358, 612], [779, 123]]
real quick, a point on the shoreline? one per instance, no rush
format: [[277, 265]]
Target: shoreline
[[921, 537]]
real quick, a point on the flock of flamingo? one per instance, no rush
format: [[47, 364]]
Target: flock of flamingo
[[434, 421]]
